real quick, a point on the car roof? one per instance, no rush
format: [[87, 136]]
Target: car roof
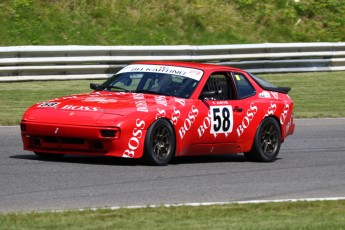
[[203, 66]]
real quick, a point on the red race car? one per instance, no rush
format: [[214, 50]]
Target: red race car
[[160, 110]]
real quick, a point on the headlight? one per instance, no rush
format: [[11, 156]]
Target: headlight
[[109, 119]]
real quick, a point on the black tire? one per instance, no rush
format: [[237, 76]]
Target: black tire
[[160, 143], [49, 156], [266, 143]]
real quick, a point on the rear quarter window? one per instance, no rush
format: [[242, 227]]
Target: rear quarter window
[[244, 88]]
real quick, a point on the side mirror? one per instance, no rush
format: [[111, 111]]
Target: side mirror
[[95, 86]]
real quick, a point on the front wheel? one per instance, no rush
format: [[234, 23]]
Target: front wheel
[[266, 143], [159, 143]]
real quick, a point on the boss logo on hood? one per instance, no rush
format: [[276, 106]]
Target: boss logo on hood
[[80, 108]]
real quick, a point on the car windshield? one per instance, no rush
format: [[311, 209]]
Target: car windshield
[[152, 81]]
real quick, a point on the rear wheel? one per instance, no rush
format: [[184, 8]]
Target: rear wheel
[[266, 143], [48, 155], [160, 143]]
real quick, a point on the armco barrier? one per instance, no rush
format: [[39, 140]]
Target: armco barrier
[[21, 63]]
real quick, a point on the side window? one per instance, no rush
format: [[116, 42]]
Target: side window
[[244, 88], [218, 87]]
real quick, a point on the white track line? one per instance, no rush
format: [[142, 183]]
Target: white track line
[[213, 203]]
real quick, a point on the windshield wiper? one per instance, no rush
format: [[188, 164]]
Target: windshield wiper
[[117, 87], [152, 92]]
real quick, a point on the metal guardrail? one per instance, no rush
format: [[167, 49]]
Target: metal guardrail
[[22, 63]]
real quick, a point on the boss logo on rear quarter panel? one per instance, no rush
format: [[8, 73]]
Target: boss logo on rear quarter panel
[[253, 109], [271, 109], [284, 114]]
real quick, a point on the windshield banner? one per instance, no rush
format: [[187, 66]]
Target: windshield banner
[[195, 74]]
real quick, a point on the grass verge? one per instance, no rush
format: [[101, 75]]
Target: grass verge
[[316, 95], [289, 215]]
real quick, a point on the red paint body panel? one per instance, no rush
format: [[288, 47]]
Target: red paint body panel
[[115, 123]]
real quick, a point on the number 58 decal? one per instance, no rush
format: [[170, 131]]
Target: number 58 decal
[[221, 119]]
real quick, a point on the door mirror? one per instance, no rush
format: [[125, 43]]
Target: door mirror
[[95, 86]]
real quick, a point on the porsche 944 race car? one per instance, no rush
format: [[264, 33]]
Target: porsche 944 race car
[[160, 110]]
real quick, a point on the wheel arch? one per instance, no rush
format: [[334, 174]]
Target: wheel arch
[[173, 128], [150, 153], [250, 141], [255, 154], [279, 124]]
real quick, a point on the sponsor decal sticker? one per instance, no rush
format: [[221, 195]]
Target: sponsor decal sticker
[[206, 123], [264, 94], [195, 74], [250, 114], [81, 108], [48, 104], [160, 113], [187, 124], [219, 102], [140, 102], [180, 101], [134, 142], [288, 125], [161, 100], [271, 109], [284, 114], [221, 119], [275, 95], [175, 116]]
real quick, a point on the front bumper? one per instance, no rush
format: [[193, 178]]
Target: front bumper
[[70, 139]]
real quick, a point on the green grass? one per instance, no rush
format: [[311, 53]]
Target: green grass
[[16, 97], [316, 95], [290, 215], [152, 22]]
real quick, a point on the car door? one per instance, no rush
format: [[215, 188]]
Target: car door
[[220, 111]]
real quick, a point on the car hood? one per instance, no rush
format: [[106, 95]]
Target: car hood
[[87, 109]]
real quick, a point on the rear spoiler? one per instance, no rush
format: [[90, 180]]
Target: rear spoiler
[[283, 89], [268, 86], [279, 89]]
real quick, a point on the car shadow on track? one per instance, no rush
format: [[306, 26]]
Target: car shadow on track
[[92, 160], [208, 159], [101, 160]]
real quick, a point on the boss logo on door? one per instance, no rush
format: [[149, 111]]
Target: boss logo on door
[[222, 119]]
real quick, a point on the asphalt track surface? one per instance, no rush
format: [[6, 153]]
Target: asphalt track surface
[[311, 164]]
